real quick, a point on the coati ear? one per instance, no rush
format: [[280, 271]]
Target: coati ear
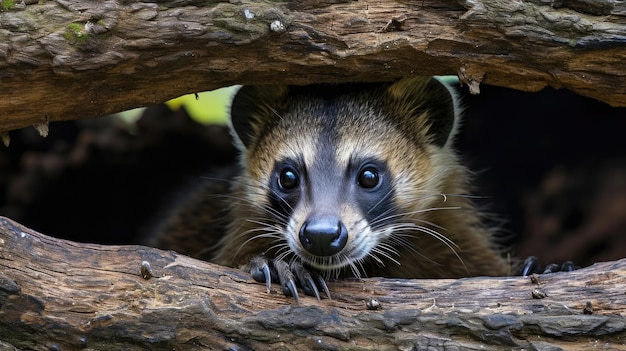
[[427, 106], [252, 106]]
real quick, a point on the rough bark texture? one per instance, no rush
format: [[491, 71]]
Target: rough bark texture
[[69, 59], [62, 295]]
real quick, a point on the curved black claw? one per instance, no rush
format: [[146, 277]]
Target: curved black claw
[[259, 269], [568, 266], [289, 276], [286, 279], [551, 268], [531, 266], [309, 280]]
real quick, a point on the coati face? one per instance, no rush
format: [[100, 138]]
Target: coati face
[[335, 172]]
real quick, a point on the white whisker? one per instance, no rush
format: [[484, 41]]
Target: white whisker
[[408, 214]]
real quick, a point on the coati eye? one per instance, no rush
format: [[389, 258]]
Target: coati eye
[[288, 179], [368, 178]]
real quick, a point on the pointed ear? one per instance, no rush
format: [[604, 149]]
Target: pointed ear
[[427, 107], [251, 106]]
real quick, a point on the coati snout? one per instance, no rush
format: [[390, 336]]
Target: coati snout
[[323, 235]]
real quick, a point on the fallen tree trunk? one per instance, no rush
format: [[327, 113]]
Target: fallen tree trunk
[[69, 59], [62, 295]]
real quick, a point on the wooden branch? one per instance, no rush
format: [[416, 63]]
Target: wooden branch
[[62, 295], [69, 59]]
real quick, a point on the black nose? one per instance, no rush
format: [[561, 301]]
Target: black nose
[[323, 235]]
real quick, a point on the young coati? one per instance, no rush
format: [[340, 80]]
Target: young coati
[[352, 180]]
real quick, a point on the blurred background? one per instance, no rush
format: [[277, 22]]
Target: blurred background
[[549, 169]]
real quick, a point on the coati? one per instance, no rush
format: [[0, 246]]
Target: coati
[[351, 180]]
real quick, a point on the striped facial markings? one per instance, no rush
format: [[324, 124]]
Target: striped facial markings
[[341, 177]]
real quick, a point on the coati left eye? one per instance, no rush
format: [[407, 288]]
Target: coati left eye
[[288, 179], [368, 178]]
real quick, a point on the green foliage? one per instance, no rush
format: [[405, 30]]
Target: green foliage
[[206, 107], [7, 4]]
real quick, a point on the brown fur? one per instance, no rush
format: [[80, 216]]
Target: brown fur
[[409, 124]]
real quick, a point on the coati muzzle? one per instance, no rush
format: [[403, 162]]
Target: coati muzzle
[[323, 235]]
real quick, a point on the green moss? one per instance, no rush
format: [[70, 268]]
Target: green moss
[[7, 4], [75, 33]]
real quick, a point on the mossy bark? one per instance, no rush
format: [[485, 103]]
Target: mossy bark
[[74, 59]]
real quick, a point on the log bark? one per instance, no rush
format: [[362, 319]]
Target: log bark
[[62, 295], [69, 59]]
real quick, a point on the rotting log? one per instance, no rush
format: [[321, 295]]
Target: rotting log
[[62, 295], [69, 59]]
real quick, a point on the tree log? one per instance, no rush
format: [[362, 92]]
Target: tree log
[[69, 59], [63, 295]]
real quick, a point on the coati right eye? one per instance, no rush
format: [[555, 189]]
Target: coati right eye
[[288, 179], [368, 178]]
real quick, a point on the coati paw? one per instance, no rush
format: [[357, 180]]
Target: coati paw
[[290, 276], [532, 265]]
